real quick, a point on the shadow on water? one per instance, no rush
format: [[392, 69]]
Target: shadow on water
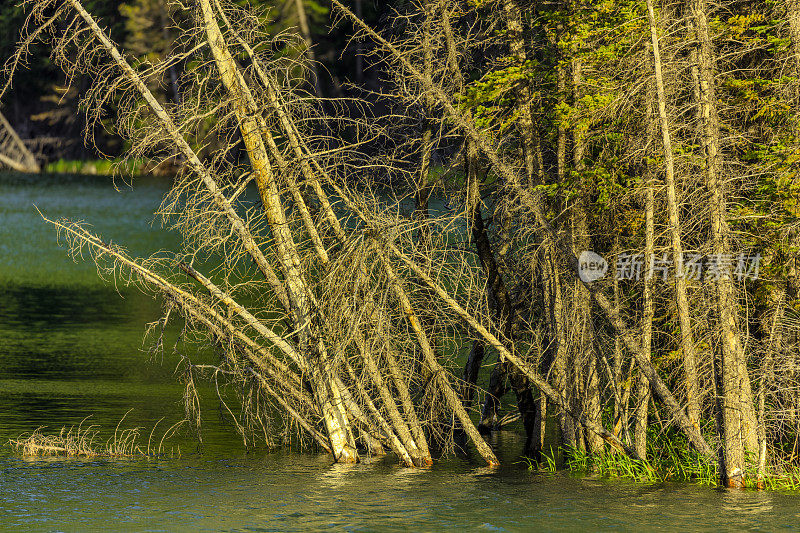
[[71, 333], [47, 308]]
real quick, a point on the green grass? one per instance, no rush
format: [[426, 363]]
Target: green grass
[[684, 466], [669, 459], [96, 166]]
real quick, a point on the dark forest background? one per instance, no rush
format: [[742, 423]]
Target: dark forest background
[[44, 107]]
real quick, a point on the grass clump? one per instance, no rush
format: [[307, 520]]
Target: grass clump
[[670, 458], [673, 464], [84, 442]]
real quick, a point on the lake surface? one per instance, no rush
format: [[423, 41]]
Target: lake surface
[[71, 347]]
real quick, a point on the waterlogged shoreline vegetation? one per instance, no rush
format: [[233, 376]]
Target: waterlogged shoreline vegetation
[[83, 441], [102, 167], [342, 321], [668, 461]]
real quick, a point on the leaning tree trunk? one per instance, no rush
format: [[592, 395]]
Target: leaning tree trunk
[[682, 300], [328, 393]]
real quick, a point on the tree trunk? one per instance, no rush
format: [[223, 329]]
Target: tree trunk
[[503, 309], [359, 46], [334, 416], [642, 385], [534, 171], [615, 371], [471, 370], [305, 32], [738, 414], [524, 97], [793, 15], [682, 300], [588, 360], [422, 186], [568, 424]]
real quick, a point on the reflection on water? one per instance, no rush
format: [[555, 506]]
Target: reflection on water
[[748, 504], [71, 347]]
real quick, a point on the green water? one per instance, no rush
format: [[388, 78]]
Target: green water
[[71, 347]]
